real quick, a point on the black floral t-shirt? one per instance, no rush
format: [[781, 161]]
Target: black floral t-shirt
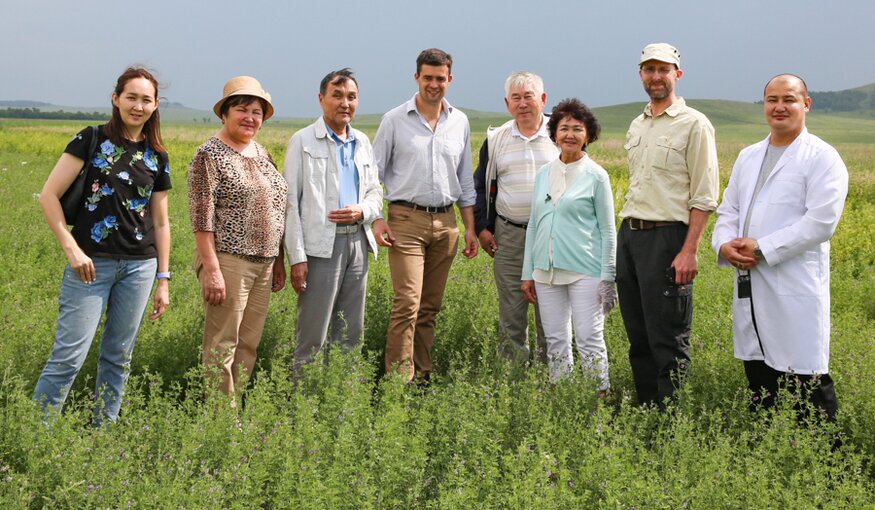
[[115, 219]]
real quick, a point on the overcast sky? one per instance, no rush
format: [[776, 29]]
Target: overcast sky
[[70, 53]]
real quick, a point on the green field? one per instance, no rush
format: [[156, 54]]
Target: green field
[[485, 435]]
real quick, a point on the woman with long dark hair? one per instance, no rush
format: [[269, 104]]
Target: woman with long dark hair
[[119, 244]]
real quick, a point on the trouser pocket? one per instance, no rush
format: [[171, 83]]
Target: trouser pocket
[[677, 303]]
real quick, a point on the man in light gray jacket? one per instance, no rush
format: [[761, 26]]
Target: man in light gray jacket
[[334, 196]]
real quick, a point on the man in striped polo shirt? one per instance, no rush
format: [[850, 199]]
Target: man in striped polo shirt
[[510, 157]]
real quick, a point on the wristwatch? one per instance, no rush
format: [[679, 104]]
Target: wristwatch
[[162, 276], [756, 251]]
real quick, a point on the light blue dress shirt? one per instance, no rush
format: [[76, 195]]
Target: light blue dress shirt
[[428, 168], [348, 192]]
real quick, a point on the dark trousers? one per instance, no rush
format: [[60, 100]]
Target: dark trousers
[[657, 313], [764, 383]]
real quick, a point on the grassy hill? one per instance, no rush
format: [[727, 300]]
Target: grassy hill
[[839, 117]]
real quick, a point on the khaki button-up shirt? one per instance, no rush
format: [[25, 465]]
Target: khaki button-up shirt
[[672, 165]]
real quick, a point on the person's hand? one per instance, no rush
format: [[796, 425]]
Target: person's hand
[[528, 288], [161, 299], [739, 253], [346, 216], [82, 264], [382, 233], [279, 275], [471, 244], [686, 265], [299, 277], [607, 295], [214, 287], [487, 242]]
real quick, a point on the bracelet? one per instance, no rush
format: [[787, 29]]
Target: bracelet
[[162, 276]]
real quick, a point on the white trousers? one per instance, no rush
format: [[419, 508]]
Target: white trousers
[[579, 303]]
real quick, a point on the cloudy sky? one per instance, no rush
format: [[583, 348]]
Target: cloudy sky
[[69, 53]]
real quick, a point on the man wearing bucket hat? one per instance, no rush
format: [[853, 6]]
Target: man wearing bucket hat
[[237, 205], [673, 187], [334, 196]]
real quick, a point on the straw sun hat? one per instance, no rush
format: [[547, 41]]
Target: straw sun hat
[[244, 86]]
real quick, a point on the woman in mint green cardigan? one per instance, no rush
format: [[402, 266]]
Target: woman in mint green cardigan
[[568, 269]]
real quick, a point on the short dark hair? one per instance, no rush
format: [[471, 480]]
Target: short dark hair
[[337, 78], [434, 57], [575, 109], [243, 99], [804, 85]]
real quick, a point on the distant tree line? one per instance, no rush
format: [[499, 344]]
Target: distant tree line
[[35, 113], [841, 101]]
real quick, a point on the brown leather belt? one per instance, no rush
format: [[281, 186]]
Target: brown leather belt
[[426, 208], [636, 224]]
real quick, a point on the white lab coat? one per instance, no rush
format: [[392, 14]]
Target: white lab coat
[[793, 219]]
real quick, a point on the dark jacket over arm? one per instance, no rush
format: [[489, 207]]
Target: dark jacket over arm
[[484, 206]]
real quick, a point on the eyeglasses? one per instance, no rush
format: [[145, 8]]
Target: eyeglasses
[[660, 70]]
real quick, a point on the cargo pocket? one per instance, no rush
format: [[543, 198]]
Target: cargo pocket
[[677, 303]]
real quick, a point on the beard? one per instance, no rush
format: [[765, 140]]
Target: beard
[[659, 94]]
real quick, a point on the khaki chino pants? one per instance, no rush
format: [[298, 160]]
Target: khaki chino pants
[[419, 262], [232, 330]]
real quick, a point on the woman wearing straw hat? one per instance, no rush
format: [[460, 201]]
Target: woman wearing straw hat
[[237, 202]]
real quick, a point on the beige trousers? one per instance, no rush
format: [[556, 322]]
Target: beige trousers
[[232, 330], [419, 261]]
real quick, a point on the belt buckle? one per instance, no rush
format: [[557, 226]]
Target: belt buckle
[[632, 224]]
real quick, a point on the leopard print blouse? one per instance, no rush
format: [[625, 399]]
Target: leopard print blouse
[[241, 200]]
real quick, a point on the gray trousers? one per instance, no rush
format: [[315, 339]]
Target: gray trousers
[[513, 309], [334, 301]]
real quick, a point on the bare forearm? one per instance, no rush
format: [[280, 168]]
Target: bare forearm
[[467, 214], [54, 215], [206, 248], [696, 228]]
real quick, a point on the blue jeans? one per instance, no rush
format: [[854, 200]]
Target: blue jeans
[[122, 288]]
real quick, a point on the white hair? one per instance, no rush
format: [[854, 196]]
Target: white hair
[[522, 79]]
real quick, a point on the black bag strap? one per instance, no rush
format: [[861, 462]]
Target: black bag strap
[[95, 130]]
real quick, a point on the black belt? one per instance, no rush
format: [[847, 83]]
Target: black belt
[[636, 224], [515, 224], [426, 208]]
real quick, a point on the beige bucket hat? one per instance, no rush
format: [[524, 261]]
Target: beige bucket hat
[[244, 86]]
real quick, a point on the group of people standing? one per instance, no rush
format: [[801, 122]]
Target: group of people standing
[[537, 203]]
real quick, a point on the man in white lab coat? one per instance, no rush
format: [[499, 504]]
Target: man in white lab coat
[[783, 202]]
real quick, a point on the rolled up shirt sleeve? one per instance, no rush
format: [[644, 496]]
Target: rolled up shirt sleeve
[[702, 164]]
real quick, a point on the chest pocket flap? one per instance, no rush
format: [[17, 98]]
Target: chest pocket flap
[[669, 154], [315, 152]]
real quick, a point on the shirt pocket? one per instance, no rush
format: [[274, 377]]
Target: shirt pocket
[[316, 166], [453, 150], [668, 155], [788, 190], [633, 149]]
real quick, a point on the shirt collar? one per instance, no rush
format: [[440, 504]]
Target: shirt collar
[[671, 111], [350, 135], [446, 106], [542, 131]]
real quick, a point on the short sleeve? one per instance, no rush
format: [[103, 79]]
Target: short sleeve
[[80, 143], [162, 180]]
